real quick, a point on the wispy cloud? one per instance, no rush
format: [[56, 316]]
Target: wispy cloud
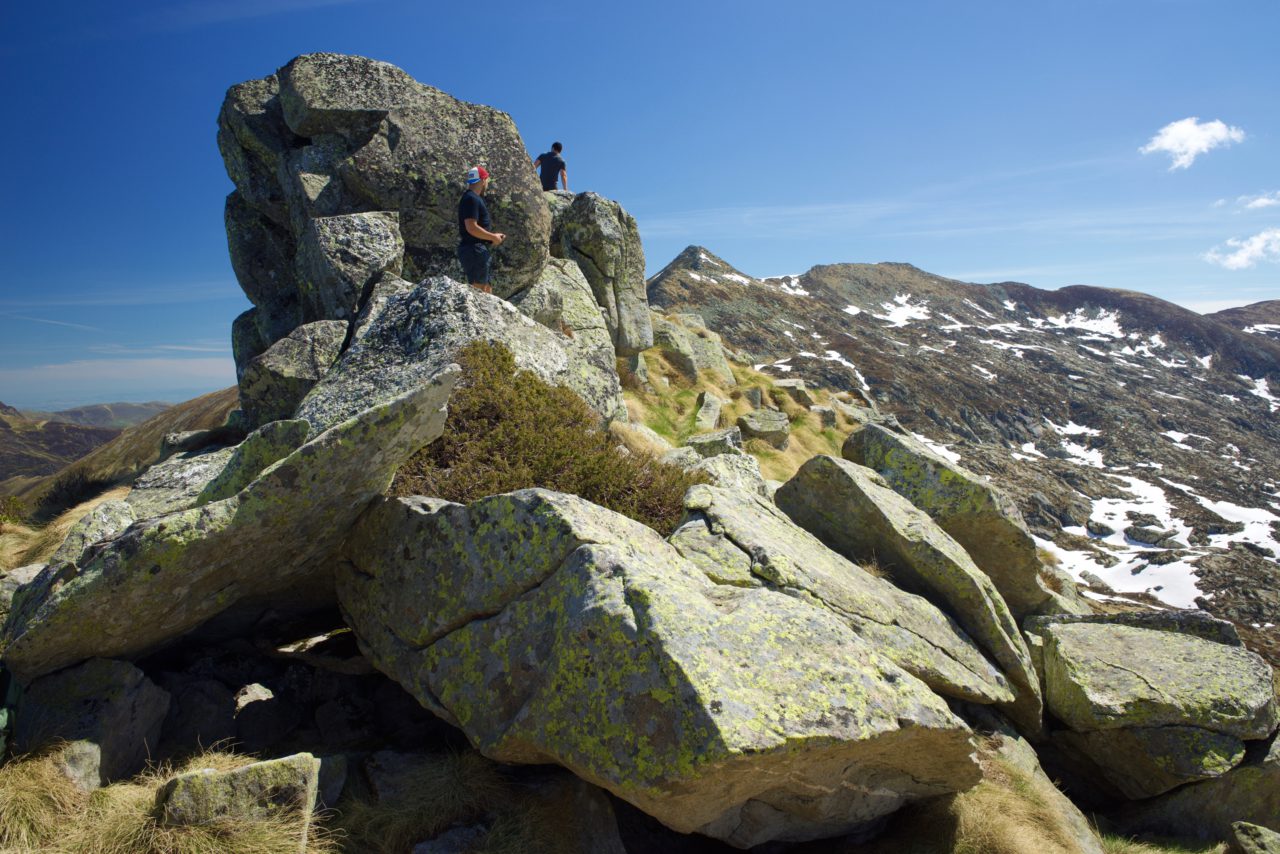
[[1264, 200], [154, 349], [1186, 139], [1242, 253], [49, 322]]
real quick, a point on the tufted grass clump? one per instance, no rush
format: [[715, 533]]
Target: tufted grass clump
[[35, 800], [508, 429]]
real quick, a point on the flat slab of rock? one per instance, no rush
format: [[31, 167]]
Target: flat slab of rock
[[852, 510], [165, 576], [983, 520], [273, 789], [1102, 677], [770, 425], [268, 444], [274, 383], [102, 522], [717, 442], [551, 630], [108, 704], [421, 331], [1249, 838], [1142, 762], [777, 553], [176, 483]]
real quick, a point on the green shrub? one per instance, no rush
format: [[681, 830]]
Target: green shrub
[[510, 429], [12, 509]]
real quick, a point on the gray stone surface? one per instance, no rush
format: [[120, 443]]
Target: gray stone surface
[[420, 332], [340, 257], [275, 382], [741, 713], [604, 241], [708, 417], [176, 483], [101, 523], [733, 471], [692, 351], [109, 704], [11, 580], [727, 441], [165, 576], [766, 424], [268, 444], [1249, 838]]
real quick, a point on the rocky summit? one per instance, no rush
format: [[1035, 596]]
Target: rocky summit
[[924, 547]]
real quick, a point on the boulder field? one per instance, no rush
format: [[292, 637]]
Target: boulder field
[[795, 662]]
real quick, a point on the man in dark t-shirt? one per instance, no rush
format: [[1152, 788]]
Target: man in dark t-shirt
[[474, 235], [551, 167]]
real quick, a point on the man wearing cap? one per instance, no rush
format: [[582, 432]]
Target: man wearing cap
[[474, 235]]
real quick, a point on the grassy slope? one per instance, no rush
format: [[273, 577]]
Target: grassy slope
[[30, 447], [116, 416]]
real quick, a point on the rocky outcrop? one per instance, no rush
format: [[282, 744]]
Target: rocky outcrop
[[740, 539], [102, 522], [692, 350], [110, 707], [340, 257], [419, 332], [708, 416], [1151, 710], [165, 576], [10, 581], [728, 441], [334, 136], [737, 712], [176, 483], [275, 382], [604, 241], [852, 510], [1207, 809], [1249, 838], [984, 521], [268, 444]]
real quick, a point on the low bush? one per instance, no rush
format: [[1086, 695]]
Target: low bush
[[12, 510], [508, 429], [72, 488]]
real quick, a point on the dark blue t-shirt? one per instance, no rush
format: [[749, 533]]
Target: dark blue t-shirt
[[472, 207], [549, 166]]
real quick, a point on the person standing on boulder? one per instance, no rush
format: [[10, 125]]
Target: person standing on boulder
[[551, 166], [474, 235]]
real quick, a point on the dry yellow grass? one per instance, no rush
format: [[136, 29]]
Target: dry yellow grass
[[41, 810], [21, 545], [1121, 845]]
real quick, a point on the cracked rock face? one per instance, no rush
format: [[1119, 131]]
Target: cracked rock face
[[419, 331], [744, 539], [552, 630], [164, 576], [851, 509]]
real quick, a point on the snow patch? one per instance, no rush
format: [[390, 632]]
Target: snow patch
[[938, 448], [902, 311]]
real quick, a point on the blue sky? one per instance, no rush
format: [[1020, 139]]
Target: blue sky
[[985, 141]]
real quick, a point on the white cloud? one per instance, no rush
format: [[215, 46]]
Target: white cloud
[[1265, 200], [1186, 139], [1248, 251]]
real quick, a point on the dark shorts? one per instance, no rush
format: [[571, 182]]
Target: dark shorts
[[475, 262]]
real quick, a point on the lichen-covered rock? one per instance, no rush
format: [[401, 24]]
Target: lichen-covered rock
[[420, 332], [268, 444], [551, 630], [766, 424], [1101, 677], [604, 241], [281, 789], [101, 523], [727, 441], [1207, 809], [275, 382], [10, 581], [692, 351], [852, 510], [339, 257], [1249, 838], [980, 518], [1142, 762], [708, 416], [1199, 624], [733, 471], [797, 391], [331, 135], [165, 576], [176, 483], [906, 628], [826, 416], [262, 258], [109, 704]]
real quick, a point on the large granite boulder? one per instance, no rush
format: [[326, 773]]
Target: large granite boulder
[[1147, 710], [1207, 809], [983, 520], [852, 510], [268, 444], [604, 241], [176, 483], [274, 383], [1249, 838], [552, 630], [111, 706], [743, 539], [10, 581], [693, 350], [331, 135], [339, 258], [165, 576], [101, 523], [419, 332], [768, 425]]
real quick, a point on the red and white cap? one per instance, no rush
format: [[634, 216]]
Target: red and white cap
[[476, 174]]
